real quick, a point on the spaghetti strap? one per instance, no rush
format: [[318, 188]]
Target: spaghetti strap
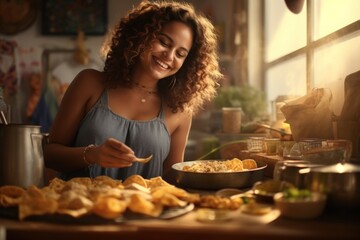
[[161, 113], [104, 97]]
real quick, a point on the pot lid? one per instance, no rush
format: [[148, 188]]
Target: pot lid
[[17, 15], [338, 168]]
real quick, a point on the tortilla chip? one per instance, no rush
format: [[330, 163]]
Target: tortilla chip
[[135, 179], [156, 182], [104, 191], [107, 181], [109, 207], [57, 184], [86, 181], [34, 202], [10, 195], [234, 164], [74, 205], [138, 204], [167, 199], [79, 188]]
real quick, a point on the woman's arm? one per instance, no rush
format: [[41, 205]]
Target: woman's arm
[[80, 97], [179, 137]]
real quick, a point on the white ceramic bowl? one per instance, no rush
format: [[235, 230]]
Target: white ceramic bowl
[[308, 208]]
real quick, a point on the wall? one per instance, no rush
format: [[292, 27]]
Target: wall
[[32, 37]]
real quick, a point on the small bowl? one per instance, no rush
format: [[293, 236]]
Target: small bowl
[[308, 208], [264, 191]]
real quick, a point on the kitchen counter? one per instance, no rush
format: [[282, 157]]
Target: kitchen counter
[[241, 226]]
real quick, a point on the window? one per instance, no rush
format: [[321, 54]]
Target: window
[[318, 47]]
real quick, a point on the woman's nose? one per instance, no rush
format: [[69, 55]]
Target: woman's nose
[[169, 54]]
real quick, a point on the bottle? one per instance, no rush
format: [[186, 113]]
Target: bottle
[[4, 107]]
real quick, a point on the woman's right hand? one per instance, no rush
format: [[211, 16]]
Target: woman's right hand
[[112, 153]]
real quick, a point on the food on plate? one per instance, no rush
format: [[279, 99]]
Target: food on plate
[[218, 202], [107, 198], [135, 179], [249, 164], [10, 195], [36, 202], [256, 208], [209, 166], [139, 204], [109, 207]]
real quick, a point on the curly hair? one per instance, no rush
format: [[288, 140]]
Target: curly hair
[[197, 79]]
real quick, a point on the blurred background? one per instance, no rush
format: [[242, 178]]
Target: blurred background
[[270, 52]]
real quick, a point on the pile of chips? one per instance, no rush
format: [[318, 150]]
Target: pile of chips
[[105, 197]]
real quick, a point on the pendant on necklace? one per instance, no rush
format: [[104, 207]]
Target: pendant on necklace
[[143, 100]]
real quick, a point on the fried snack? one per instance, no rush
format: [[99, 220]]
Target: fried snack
[[34, 202], [234, 164], [138, 204], [217, 202], [167, 199], [177, 192], [135, 179], [57, 184], [107, 181], [109, 207], [75, 205], [10, 195], [77, 187], [86, 181], [249, 164], [104, 191], [156, 182]]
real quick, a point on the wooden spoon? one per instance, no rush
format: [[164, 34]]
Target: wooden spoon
[[144, 160]]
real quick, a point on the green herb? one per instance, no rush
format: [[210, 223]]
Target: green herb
[[296, 194]]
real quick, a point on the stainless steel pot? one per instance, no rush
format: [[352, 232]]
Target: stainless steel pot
[[21, 157], [215, 181], [341, 183]]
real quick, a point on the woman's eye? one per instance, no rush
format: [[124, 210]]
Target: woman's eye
[[163, 43], [181, 54]]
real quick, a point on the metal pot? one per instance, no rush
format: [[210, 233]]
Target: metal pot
[[341, 183], [217, 180], [21, 157]]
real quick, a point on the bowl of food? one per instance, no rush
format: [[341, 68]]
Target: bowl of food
[[264, 191], [218, 174], [300, 204]]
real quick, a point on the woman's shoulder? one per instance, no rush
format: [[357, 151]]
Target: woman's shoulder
[[89, 78], [174, 120]]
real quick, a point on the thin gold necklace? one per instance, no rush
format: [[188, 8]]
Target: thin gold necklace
[[146, 90]]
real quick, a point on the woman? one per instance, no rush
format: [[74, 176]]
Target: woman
[[160, 67]]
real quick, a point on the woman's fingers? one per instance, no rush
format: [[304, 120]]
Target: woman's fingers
[[116, 154], [119, 146]]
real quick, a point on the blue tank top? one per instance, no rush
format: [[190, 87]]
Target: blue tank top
[[143, 137]]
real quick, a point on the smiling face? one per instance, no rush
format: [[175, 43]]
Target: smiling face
[[169, 51]]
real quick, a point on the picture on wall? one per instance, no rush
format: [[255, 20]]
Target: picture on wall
[[67, 17]]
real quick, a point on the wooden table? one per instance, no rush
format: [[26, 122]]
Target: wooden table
[[330, 225]]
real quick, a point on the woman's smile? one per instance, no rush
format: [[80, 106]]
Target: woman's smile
[[161, 63]]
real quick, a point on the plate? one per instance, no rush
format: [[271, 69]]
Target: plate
[[168, 213]]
